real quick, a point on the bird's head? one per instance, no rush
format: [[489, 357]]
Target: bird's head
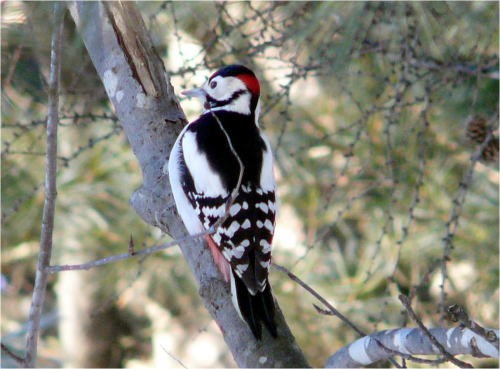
[[233, 88]]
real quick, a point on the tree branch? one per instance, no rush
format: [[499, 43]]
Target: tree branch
[[457, 313], [128, 255], [411, 341], [453, 219], [50, 190], [435, 342], [331, 310], [18, 359]]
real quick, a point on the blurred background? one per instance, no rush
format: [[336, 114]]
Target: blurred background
[[374, 111]]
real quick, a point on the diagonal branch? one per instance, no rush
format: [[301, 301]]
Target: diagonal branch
[[10, 353], [331, 310], [407, 342], [453, 220]]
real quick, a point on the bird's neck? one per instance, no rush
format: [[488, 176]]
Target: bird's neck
[[241, 105]]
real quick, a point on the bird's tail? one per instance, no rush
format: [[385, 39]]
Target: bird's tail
[[254, 309]]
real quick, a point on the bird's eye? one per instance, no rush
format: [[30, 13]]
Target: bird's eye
[[213, 84]]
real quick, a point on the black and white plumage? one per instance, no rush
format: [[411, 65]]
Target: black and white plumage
[[204, 168]]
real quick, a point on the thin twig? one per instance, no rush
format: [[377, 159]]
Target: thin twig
[[453, 219], [309, 289], [406, 303], [127, 255], [18, 359], [131, 245], [50, 190], [470, 70], [332, 310], [173, 357]]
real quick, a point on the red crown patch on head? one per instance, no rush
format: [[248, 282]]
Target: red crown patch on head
[[251, 82]]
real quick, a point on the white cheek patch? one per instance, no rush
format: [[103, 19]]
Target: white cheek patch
[[226, 87], [206, 181]]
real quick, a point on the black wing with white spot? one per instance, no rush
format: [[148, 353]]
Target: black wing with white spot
[[246, 235]]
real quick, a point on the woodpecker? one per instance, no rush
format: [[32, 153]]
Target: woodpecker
[[221, 169]]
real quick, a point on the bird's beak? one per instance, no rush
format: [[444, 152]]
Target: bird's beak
[[195, 92]]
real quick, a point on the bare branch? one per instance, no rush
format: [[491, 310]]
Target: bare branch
[[177, 360], [406, 303], [456, 210], [385, 349], [127, 255], [50, 190], [469, 70], [458, 314], [331, 310], [309, 289], [407, 342], [487, 70], [7, 351]]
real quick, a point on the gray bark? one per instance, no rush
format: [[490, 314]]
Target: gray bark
[[411, 341], [139, 89]]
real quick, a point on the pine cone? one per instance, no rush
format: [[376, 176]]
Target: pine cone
[[477, 131], [490, 152]]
